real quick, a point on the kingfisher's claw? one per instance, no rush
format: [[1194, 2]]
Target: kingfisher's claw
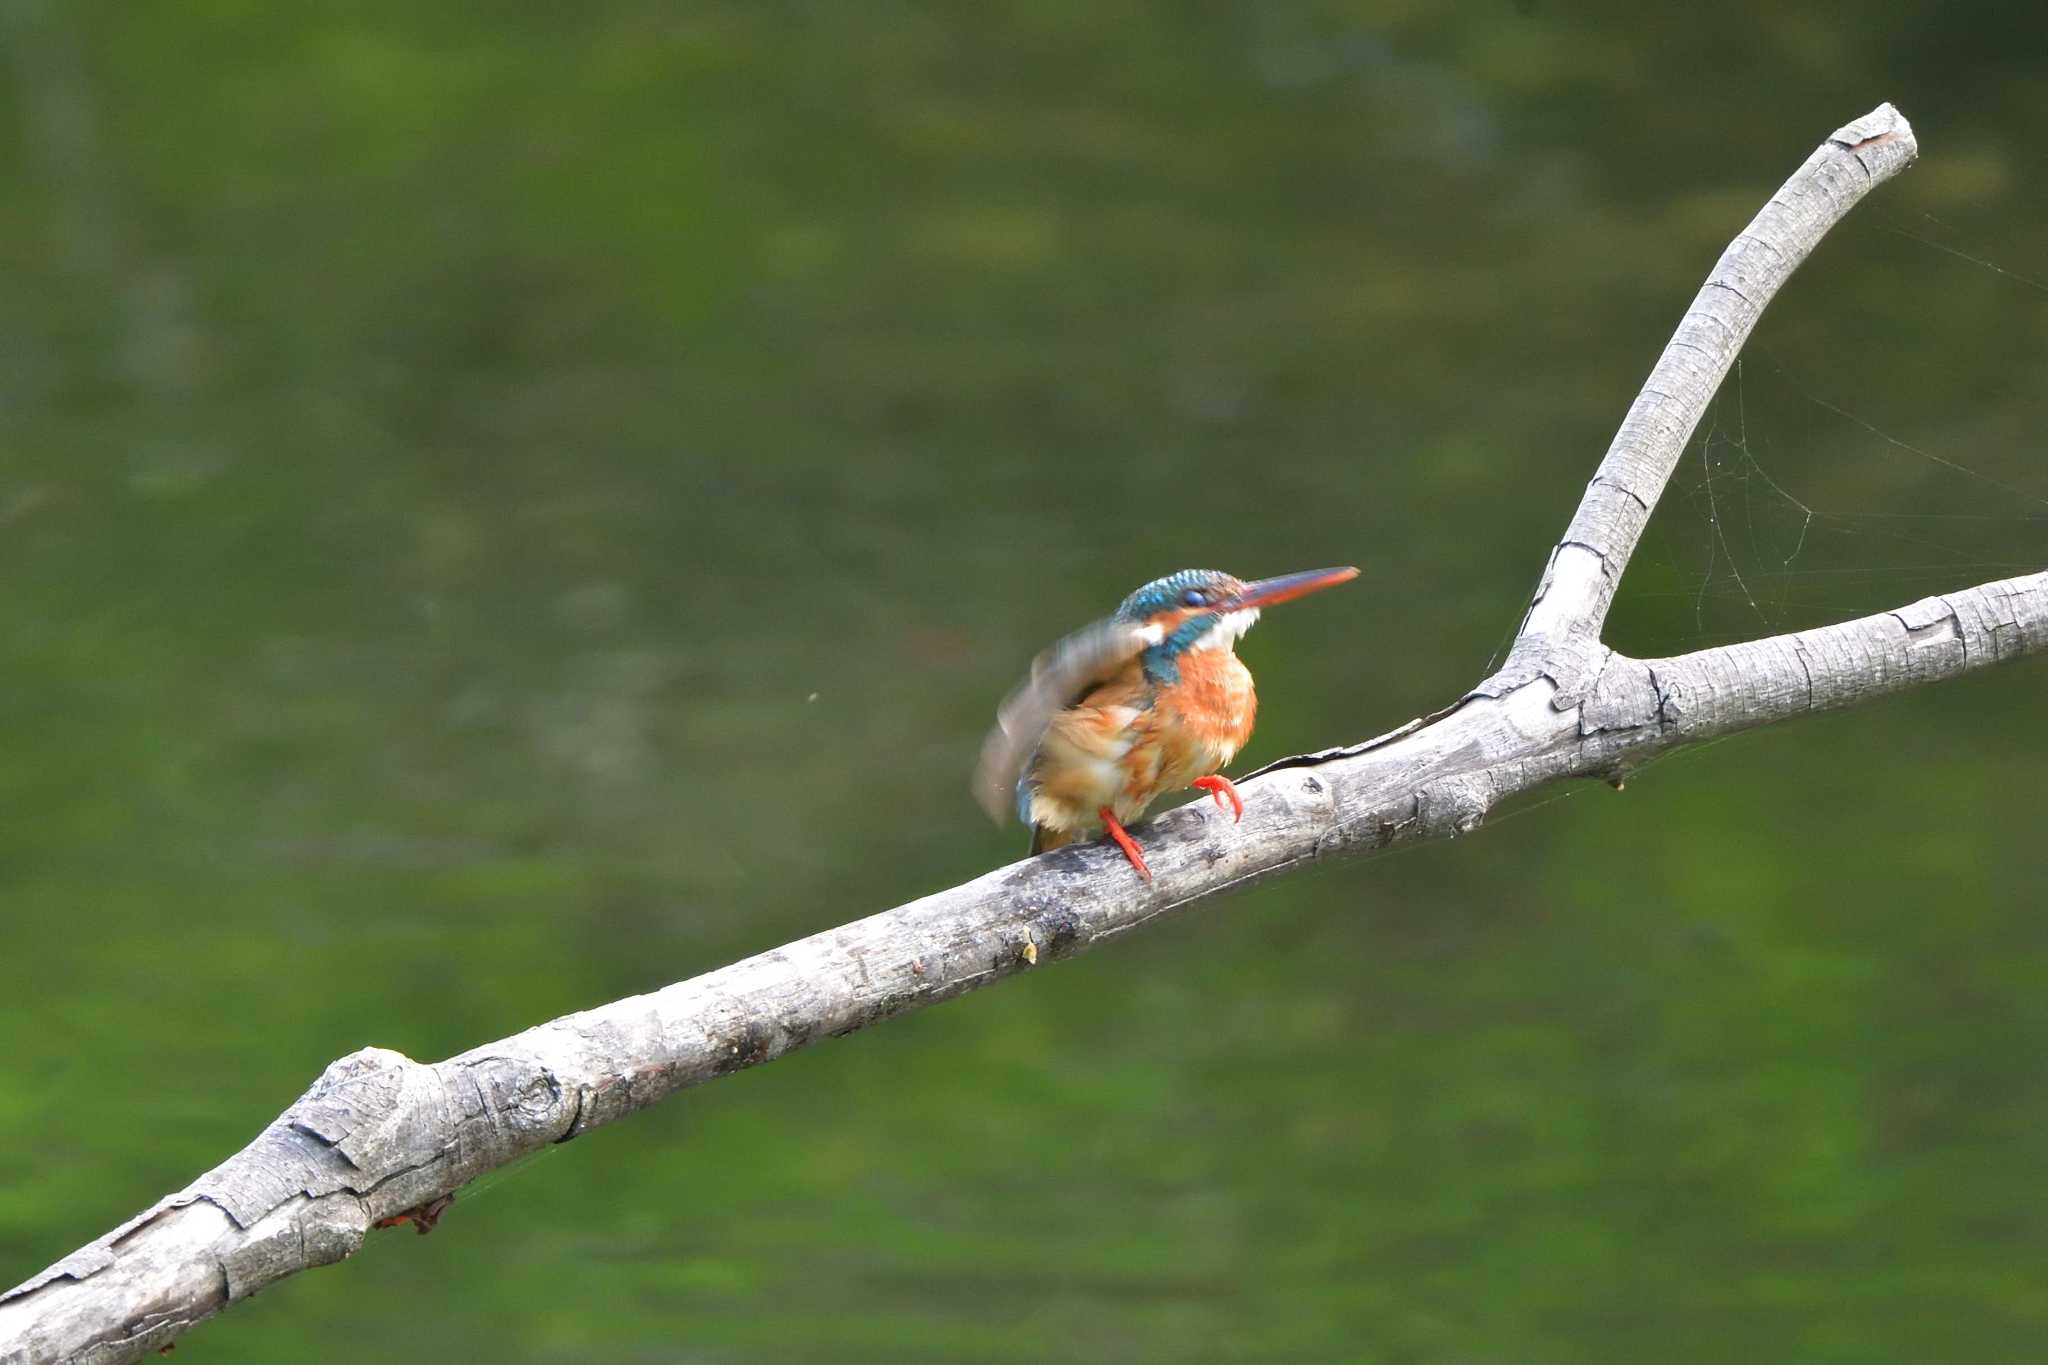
[[1220, 789], [1124, 841]]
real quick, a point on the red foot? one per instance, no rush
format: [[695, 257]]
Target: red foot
[[1220, 787], [1125, 842]]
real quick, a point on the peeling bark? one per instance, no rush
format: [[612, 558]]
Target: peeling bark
[[381, 1138]]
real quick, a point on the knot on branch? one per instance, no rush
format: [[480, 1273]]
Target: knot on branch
[[373, 1107], [369, 1132], [373, 1130]]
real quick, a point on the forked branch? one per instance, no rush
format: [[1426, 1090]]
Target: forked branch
[[1585, 567], [379, 1135]]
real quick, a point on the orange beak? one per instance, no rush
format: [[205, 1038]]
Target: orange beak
[[1270, 591]]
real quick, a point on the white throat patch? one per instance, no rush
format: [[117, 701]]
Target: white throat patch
[[1228, 631]]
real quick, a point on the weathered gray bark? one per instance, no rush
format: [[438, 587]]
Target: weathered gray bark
[[379, 1134]]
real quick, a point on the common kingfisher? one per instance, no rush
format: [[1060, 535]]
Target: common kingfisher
[[1153, 699]]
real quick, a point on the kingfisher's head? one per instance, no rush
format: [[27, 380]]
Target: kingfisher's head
[[1205, 609]]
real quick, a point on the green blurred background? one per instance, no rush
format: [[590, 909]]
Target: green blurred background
[[509, 506]]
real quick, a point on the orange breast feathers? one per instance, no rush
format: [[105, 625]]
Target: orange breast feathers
[[1212, 708]]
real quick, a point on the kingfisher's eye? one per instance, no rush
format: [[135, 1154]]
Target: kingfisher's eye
[[1196, 597]]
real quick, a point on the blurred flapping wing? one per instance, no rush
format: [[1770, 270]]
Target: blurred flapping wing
[[1059, 677]]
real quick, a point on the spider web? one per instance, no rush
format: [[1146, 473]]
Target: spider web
[[1794, 507]]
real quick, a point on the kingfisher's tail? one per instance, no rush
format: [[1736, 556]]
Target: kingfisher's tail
[[1045, 838]]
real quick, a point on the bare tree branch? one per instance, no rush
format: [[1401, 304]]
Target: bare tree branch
[[380, 1136]]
